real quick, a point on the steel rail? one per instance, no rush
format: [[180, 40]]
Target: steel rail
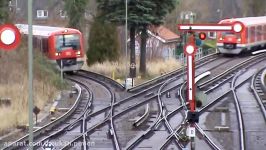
[[59, 132], [208, 139], [117, 146], [179, 72], [153, 127], [230, 70], [142, 118], [122, 112], [204, 108], [103, 78], [184, 106], [239, 113], [169, 127], [111, 112], [255, 92]]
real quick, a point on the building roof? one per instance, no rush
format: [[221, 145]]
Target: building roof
[[163, 34]]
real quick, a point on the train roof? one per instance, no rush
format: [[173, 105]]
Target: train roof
[[248, 21], [42, 30]]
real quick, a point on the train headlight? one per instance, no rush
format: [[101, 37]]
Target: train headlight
[[57, 54], [78, 52], [220, 38], [239, 40]]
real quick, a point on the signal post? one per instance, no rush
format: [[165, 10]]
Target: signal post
[[190, 51]]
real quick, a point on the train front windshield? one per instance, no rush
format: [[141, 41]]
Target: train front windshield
[[224, 34], [67, 41]]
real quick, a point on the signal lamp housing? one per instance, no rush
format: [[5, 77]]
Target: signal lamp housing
[[190, 49], [202, 36]]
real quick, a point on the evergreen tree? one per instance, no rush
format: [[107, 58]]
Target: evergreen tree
[[258, 7], [114, 11], [75, 11], [159, 9], [4, 11], [141, 14], [103, 42], [254, 8]]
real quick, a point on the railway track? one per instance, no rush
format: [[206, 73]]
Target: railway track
[[257, 86], [208, 139], [249, 105], [119, 103], [67, 122], [104, 124], [58, 122], [90, 120], [63, 135]]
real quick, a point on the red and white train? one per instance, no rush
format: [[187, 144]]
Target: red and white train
[[251, 37], [63, 46]]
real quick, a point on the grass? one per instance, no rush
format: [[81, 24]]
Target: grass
[[116, 70], [210, 43], [14, 85]]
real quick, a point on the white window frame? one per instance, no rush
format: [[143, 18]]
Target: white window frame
[[63, 13], [42, 14]]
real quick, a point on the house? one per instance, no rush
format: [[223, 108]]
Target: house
[[44, 11], [161, 43]]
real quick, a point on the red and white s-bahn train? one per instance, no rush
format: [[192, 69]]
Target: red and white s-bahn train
[[62, 46], [252, 36]]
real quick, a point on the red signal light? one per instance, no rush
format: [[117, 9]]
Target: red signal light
[[9, 37], [202, 36]]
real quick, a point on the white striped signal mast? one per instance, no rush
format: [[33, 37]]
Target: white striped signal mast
[[190, 51]]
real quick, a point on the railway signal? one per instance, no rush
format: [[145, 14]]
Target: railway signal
[[190, 50], [9, 37]]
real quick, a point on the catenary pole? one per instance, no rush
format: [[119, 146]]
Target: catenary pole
[[30, 86], [126, 45]]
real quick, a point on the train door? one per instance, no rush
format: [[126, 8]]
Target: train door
[[44, 45]]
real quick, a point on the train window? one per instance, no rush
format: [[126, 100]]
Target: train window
[[67, 41], [264, 31], [259, 33], [252, 34], [230, 33], [247, 34], [227, 33]]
